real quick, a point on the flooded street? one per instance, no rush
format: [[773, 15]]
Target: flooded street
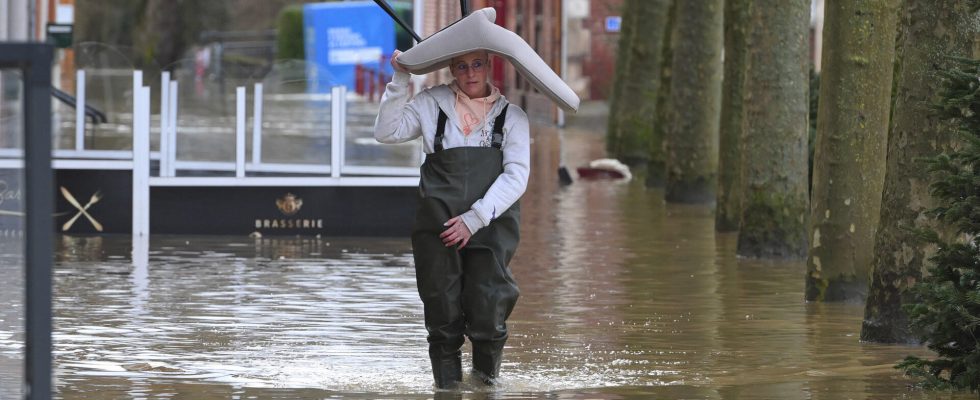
[[622, 296]]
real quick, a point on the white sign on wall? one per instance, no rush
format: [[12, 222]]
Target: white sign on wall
[[577, 8], [64, 14]]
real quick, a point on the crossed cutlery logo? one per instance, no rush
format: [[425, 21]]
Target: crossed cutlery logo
[[81, 210]]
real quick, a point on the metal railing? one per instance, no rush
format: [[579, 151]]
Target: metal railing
[[141, 155]]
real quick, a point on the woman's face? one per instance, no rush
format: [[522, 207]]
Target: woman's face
[[470, 71]]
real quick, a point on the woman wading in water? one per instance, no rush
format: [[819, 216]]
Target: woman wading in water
[[476, 167], [467, 224]]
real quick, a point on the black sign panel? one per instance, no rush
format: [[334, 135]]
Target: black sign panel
[[330, 211], [11, 203], [93, 201], [100, 201]]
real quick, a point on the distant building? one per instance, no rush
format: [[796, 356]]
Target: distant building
[[538, 22], [27, 20], [590, 48]]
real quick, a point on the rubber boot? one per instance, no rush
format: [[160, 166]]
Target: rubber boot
[[447, 370], [486, 361]]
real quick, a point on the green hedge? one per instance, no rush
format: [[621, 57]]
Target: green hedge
[[290, 38]]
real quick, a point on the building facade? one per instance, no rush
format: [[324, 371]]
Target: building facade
[[538, 22]]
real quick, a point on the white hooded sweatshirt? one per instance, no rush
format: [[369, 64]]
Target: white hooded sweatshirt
[[401, 119]]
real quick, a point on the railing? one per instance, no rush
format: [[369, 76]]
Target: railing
[[142, 181], [170, 165], [171, 170], [369, 82]]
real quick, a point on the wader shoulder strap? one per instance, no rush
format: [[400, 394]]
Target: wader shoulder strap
[[498, 128], [440, 131]]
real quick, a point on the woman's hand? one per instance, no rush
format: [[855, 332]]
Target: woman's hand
[[457, 232], [394, 64]]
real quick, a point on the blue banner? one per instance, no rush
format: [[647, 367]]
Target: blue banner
[[341, 38]]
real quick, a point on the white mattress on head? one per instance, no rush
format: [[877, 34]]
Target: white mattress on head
[[478, 32]]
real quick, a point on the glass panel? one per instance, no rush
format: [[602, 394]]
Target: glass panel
[[360, 147], [11, 234], [108, 89], [296, 114], [205, 111], [296, 108]]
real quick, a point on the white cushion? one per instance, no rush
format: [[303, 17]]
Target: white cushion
[[478, 32]]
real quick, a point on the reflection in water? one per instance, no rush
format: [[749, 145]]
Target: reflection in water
[[622, 297], [11, 317]]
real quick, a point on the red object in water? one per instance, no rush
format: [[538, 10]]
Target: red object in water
[[598, 173]]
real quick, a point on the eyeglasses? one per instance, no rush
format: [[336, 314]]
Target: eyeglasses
[[475, 66]]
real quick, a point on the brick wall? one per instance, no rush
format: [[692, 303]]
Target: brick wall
[[600, 65]]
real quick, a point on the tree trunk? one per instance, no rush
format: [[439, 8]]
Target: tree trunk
[[852, 135], [657, 167], [639, 97], [931, 32], [692, 139], [774, 164], [730, 152], [616, 102]]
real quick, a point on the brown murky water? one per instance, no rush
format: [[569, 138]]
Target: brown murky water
[[622, 297]]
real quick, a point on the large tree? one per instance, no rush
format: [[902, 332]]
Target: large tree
[[695, 103], [932, 31], [616, 103], [730, 153], [852, 134], [774, 166], [657, 167], [637, 98]]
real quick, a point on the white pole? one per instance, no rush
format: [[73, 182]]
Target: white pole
[[336, 136], [240, 133], [818, 13], [418, 23], [418, 17], [564, 55], [137, 84], [164, 122], [42, 13], [343, 129], [257, 126], [145, 163], [172, 125], [5, 19], [141, 162], [80, 110]]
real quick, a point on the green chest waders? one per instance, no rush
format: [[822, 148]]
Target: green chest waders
[[471, 290]]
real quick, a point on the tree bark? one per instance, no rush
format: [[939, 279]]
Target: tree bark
[[639, 97], [692, 139], [616, 102], [852, 136], [774, 164], [730, 151], [657, 167], [931, 32]]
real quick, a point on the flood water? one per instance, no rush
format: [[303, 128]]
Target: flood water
[[623, 296]]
